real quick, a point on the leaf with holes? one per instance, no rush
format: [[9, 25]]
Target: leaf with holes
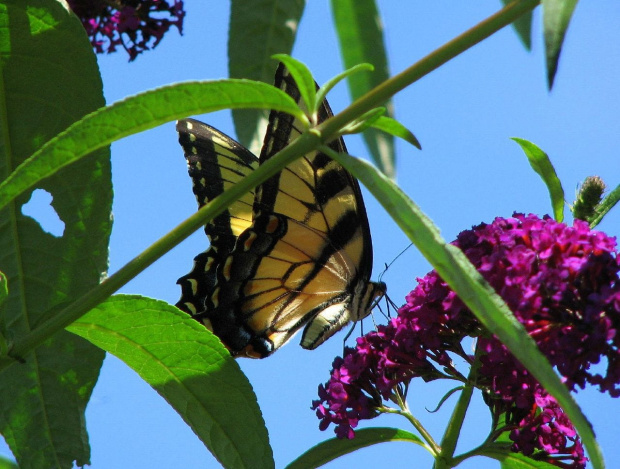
[[42, 97]]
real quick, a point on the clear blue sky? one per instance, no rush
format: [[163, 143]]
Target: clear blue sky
[[468, 172]]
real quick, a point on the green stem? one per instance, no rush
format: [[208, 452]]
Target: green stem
[[451, 436], [418, 426], [380, 94], [431, 444], [446, 458], [304, 144]]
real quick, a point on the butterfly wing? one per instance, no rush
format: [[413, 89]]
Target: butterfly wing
[[306, 258], [215, 162]]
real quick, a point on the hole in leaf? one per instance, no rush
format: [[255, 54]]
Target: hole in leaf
[[40, 209]]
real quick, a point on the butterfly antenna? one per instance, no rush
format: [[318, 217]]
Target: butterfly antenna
[[387, 266]]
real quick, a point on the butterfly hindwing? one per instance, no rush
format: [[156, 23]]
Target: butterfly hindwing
[[215, 162], [304, 258]]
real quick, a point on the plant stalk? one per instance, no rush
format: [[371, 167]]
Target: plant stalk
[[448, 444], [20, 348], [306, 143]]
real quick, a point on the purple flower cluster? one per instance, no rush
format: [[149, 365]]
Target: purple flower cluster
[[348, 403], [548, 429], [562, 284], [135, 25]]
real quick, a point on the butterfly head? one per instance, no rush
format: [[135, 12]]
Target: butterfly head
[[375, 291]]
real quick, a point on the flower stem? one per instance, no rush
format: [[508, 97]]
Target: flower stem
[[451, 436], [431, 444]]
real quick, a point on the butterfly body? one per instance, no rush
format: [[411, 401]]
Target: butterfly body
[[294, 253]]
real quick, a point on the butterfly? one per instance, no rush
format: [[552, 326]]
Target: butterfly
[[295, 253]]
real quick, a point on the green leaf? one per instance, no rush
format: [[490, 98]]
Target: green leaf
[[4, 289], [510, 460], [523, 27], [556, 17], [334, 448], [395, 128], [4, 335], [605, 206], [541, 163], [7, 463], [445, 397], [190, 368], [452, 266], [303, 79], [360, 32], [258, 30], [329, 84], [364, 121], [50, 79], [137, 113], [375, 118]]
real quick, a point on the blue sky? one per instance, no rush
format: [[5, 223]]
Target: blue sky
[[468, 172]]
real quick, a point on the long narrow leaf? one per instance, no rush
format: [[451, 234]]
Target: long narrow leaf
[[556, 17], [541, 163], [395, 128], [303, 78], [333, 81], [258, 30], [141, 112], [523, 27], [190, 368], [334, 448], [510, 460], [360, 32], [452, 265]]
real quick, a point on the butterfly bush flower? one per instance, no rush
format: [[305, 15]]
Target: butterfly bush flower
[[134, 25], [562, 284]]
